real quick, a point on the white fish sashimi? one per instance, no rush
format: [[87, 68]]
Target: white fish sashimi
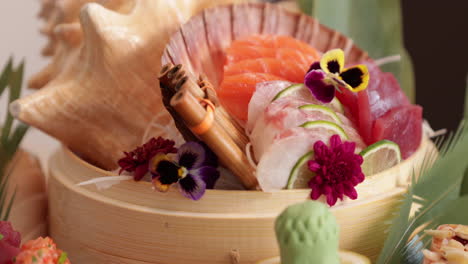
[[279, 116], [284, 114], [262, 97], [276, 164]]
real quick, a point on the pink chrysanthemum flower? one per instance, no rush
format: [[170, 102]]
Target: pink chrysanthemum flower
[[337, 169]]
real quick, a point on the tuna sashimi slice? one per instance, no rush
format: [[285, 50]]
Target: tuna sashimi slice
[[382, 95], [402, 125], [286, 69], [276, 164], [236, 90]]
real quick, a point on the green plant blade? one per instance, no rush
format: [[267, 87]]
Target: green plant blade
[[5, 76], [15, 84], [375, 26], [436, 191]]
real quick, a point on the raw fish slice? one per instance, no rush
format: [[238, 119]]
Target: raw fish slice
[[240, 53], [383, 94], [265, 93], [284, 114], [402, 125], [286, 69], [262, 97], [276, 164], [236, 90], [276, 42]]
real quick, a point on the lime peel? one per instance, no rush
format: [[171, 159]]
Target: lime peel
[[327, 125], [295, 170], [380, 156], [287, 91], [322, 109]]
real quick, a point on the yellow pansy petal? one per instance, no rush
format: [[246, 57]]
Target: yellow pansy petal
[[356, 77], [332, 61]]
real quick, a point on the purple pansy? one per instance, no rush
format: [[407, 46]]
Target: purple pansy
[[194, 169], [315, 81], [337, 169]]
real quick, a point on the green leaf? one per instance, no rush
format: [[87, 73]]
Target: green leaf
[[63, 257], [466, 98], [5, 76], [375, 26], [436, 191], [464, 186], [15, 85]]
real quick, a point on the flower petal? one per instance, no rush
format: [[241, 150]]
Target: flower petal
[[332, 61], [208, 174], [192, 187], [165, 170], [350, 191], [191, 155], [160, 186], [314, 66], [315, 81], [140, 171], [315, 194], [331, 199], [356, 77]]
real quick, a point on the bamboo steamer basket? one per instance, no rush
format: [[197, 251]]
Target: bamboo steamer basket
[[29, 211], [131, 223]]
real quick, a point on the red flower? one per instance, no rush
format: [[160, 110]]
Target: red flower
[[337, 168], [137, 161]]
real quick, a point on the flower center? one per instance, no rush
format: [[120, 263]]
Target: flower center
[[182, 172]]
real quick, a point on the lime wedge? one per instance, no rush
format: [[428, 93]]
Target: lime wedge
[[336, 104], [380, 156], [348, 257], [322, 109], [300, 173], [334, 128], [288, 91]]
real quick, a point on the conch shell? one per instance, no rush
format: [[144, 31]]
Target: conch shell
[[103, 102], [64, 33], [200, 44]]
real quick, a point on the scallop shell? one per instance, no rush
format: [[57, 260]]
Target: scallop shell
[[103, 101], [201, 42]]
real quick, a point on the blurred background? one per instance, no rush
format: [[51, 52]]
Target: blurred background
[[436, 36]]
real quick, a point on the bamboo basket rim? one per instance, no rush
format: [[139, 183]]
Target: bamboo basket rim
[[210, 215], [75, 157], [398, 190]]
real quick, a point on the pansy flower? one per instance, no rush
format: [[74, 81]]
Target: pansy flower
[[137, 160], [337, 170], [326, 76], [194, 169]]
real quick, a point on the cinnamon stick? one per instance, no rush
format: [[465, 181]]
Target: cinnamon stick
[[232, 127], [229, 154], [169, 79]]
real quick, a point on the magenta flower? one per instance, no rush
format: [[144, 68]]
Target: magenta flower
[[337, 169], [137, 161]]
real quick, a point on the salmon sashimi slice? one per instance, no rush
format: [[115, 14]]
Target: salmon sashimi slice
[[286, 69], [236, 54], [277, 42], [236, 90]]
